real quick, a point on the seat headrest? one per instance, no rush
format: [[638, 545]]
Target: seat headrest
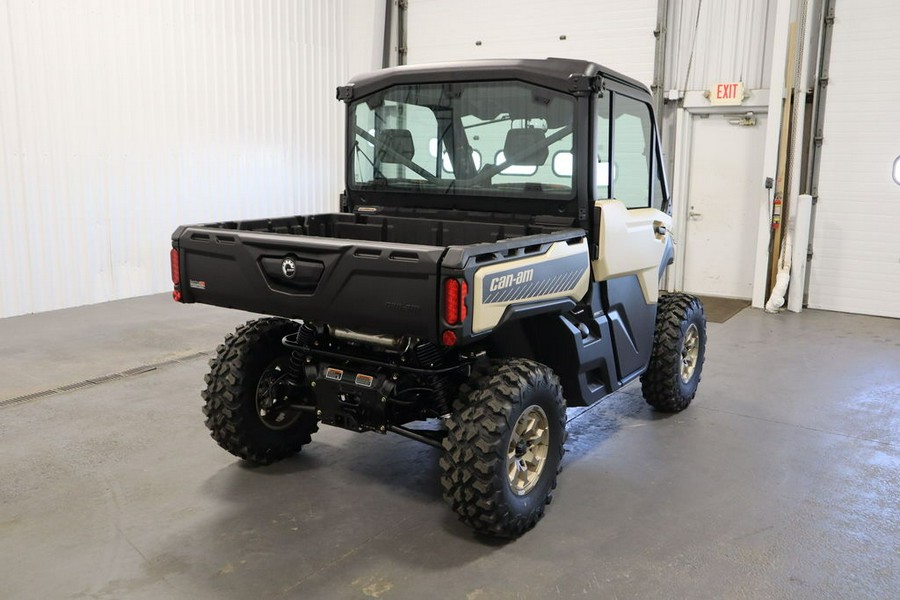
[[519, 140], [393, 142]]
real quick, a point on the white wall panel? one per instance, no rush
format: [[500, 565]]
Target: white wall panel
[[121, 119], [856, 250], [716, 41], [616, 34]]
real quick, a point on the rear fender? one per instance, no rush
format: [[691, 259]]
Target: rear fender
[[554, 279]]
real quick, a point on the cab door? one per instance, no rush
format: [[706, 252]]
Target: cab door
[[633, 242]]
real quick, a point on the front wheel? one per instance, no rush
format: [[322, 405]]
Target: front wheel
[[245, 413], [504, 447], [679, 349]]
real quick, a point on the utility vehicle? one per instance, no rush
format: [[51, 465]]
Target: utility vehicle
[[497, 258]]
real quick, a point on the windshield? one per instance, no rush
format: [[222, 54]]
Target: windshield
[[480, 138]]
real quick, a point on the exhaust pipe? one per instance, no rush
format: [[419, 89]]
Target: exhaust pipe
[[386, 341]]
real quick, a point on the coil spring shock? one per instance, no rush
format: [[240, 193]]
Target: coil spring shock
[[305, 336]]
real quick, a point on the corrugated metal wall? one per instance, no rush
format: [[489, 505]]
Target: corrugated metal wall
[[121, 119], [716, 41]]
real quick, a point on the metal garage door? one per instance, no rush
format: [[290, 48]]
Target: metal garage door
[[618, 35], [856, 252]]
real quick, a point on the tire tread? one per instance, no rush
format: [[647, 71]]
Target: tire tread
[[474, 449], [229, 386], [661, 383]]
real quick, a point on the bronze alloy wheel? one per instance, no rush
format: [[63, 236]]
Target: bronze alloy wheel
[[690, 350], [527, 453]]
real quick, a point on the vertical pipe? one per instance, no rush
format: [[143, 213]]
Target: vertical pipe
[[402, 9], [388, 30], [814, 154]]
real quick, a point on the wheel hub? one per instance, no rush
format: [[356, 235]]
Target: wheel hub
[[521, 448], [690, 350], [272, 408], [529, 444]]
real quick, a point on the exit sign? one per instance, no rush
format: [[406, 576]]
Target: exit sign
[[726, 94]]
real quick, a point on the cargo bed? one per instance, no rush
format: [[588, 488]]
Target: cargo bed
[[371, 273]]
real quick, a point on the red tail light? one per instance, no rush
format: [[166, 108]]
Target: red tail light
[[176, 267], [448, 338], [455, 293], [451, 301]]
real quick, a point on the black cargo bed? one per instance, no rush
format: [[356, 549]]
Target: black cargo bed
[[372, 273]]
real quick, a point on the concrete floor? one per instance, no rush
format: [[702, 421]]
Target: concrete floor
[[781, 481]]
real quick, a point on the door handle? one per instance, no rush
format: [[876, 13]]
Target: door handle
[[693, 214]]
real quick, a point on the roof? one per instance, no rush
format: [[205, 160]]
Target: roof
[[563, 74]]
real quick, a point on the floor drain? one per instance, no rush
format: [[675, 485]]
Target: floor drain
[[80, 385]]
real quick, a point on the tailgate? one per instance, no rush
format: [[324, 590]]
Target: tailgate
[[369, 286]]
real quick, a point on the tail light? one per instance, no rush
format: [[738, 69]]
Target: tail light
[[451, 301], [456, 292], [175, 265]]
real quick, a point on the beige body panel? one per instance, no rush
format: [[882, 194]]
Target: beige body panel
[[563, 271], [629, 244]]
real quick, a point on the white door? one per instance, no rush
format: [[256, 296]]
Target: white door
[[856, 249], [723, 197], [618, 35]]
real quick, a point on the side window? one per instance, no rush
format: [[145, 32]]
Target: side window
[[632, 149], [601, 141]]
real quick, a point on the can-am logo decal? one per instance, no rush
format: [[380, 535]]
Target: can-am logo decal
[[501, 283], [542, 279], [288, 267]]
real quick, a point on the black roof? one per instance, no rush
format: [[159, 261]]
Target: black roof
[[563, 74]]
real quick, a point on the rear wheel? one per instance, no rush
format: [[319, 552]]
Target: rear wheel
[[679, 349], [246, 410], [503, 449]]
